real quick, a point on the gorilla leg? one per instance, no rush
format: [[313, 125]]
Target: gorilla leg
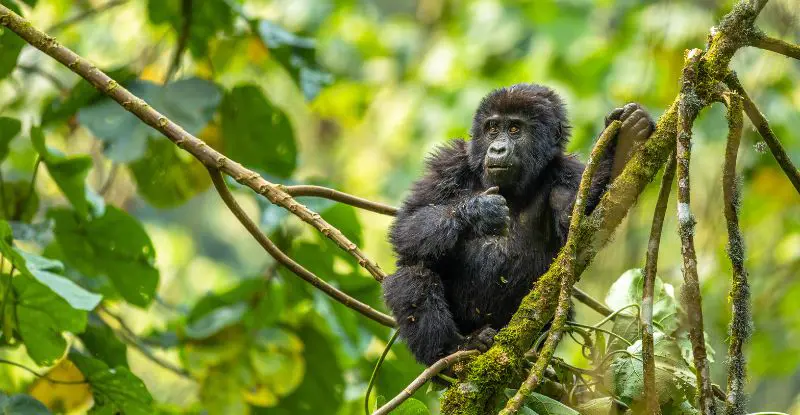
[[415, 295]]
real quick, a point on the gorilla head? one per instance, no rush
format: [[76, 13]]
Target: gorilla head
[[515, 133]]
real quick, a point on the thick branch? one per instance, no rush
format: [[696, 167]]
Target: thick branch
[[341, 197], [761, 124], [569, 277], [196, 147], [285, 260], [425, 376], [690, 105], [650, 269], [762, 41], [741, 323]]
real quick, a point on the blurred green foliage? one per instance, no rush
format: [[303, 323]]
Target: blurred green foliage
[[351, 94]]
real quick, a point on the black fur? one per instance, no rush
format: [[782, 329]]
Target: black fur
[[466, 258]]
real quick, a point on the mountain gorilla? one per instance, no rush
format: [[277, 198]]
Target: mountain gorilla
[[489, 216]]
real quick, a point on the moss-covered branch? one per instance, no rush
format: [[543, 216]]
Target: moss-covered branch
[[567, 279], [762, 41], [196, 147], [741, 324], [650, 270]]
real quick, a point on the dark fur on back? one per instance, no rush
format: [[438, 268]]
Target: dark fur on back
[[457, 273]]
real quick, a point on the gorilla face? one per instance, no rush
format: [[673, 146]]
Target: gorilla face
[[515, 133]]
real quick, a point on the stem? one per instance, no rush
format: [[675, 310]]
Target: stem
[[39, 375], [341, 197], [690, 105], [592, 303], [762, 41], [648, 297], [31, 186], [285, 260], [175, 133], [741, 324], [568, 280], [183, 39], [761, 124], [377, 368], [425, 376]]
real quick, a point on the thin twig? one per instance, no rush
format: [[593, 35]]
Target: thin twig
[[425, 376], [761, 124], [39, 375], [762, 41], [377, 368], [175, 133], [651, 266], [44, 74], [280, 256], [85, 15], [592, 303], [568, 262], [31, 187], [690, 105], [129, 337], [341, 197], [183, 39], [741, 324], [112, 175]]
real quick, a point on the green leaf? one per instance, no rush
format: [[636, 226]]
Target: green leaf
[[41, 318], [257, 134], [598, 406], [115, 390], [541, 404], [20, 201], [628, 290], [69, 173], [10, 46], [215, 16], [103, 344], [191, 103], [21, 405], [411, 407], [114, 245], [213, 322], [81, 95], [9, 128], [165, 177]]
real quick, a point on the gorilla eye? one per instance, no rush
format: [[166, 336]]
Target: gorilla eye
[[493, 130], [514, 129]]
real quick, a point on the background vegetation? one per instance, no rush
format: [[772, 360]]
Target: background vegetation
[[352, 95]]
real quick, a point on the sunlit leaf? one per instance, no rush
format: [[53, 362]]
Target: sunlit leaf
[[628, 290], [69, 391]]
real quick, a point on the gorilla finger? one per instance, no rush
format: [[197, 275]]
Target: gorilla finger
[[494, 190], [644, 126], [633, 118], [628, 110], [613, 115]]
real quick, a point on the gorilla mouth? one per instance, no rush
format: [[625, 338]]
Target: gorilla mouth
[[498, 168]]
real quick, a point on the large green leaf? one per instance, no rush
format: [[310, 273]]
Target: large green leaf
[[627, 289], [412, 407], [189, 102], [69, 172], [116, 390], [114, 245], [166, 177], [41, 318], [257, 134], [9, 128], [20, 200], [21, 405], [10, 45], [216, 320]]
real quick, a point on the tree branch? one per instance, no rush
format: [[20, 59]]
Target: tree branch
[[761, 124], [569, 277], [285, 260], [341, 197], [741, 324], [196, 147], [590, 302], [425, 376], [689, 107], [85, 15], [651, 266], [762, 41]]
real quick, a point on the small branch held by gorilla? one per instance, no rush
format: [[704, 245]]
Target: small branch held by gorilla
[[285, 260], [741, 324], [569, 277], [425, 376], [651, 266], [762, 125], [689, 107], [183, 139], [341, 197]]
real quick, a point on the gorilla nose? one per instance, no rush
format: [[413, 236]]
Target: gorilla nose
[[498, 150]]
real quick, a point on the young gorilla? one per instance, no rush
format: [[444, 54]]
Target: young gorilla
[[488, 218]]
